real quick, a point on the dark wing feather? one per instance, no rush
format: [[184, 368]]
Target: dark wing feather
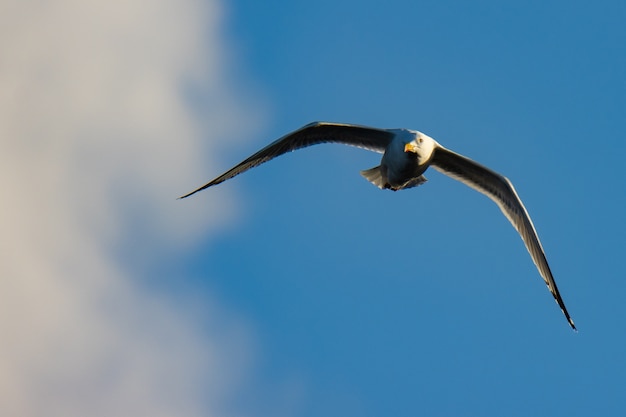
[[312, 134], [501, 191]]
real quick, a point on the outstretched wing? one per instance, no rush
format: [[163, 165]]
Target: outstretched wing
[[501, 191], [318, 132]]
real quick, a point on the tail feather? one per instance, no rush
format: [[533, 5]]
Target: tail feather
[[414, 182], [374, 176]]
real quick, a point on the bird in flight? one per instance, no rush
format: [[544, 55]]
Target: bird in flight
[[406, 156]]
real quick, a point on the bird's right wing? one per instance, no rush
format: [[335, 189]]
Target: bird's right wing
[[312, 134]]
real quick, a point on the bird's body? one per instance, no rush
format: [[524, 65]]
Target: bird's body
[[407, 154], [398, 169]]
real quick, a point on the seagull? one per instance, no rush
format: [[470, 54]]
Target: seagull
[[407, 154]]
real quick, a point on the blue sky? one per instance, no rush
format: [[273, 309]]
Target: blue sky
[[298, 288], [425, 301]]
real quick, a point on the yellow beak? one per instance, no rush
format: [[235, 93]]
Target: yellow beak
[[410, 147]]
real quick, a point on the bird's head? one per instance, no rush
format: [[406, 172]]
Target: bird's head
[[422, 145]]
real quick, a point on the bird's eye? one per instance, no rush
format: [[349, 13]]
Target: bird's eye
[[420, 140]]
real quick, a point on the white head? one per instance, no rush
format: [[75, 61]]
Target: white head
[[422, 145]]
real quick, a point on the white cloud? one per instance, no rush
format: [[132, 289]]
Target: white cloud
[[97, 138]]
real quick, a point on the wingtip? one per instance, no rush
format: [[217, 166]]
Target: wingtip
[[186, 195], [573, 326], [196, 190], [570, 321]]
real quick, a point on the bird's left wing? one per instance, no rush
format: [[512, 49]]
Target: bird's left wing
[[501, 191], [368, 138]]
